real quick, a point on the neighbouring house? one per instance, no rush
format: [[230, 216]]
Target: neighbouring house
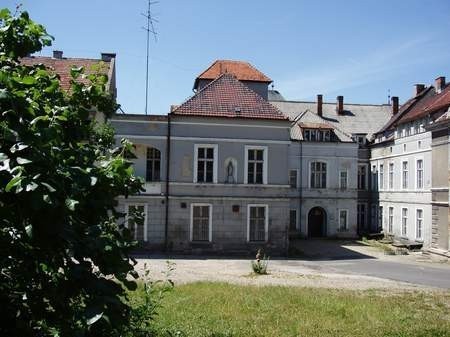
[[61, 66], [411, 169]]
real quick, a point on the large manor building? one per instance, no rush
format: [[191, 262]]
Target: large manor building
[[237, 167]]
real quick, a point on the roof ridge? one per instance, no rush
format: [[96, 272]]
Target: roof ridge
[[314, 102], [65, 58]]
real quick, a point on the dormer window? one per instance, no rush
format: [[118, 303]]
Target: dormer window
[[360, 139], [317, 135]]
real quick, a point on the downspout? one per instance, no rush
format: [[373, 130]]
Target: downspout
[[166, 226], [301, 187]]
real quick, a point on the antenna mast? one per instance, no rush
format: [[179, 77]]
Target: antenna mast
[[149, 29]]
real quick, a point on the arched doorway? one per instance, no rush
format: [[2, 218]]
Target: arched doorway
[[317, 222]]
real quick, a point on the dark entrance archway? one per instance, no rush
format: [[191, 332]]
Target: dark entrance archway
[[317, 222]]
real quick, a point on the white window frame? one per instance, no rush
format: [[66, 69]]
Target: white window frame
[[390, 228], [404, 233], [326, 174], [266, 220], [391, 176], [340, 179], [416, 226], [265, 162], [191, 226], [405, 186], [127, 212], [417, 174], [381, 176], [215, 147], [346, 219]]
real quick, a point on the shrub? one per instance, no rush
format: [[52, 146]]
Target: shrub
[[259, 265]]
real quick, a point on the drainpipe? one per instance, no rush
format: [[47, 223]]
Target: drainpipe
[[301, 187], [166, 226]]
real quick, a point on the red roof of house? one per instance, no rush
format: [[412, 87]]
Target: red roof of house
[[226, 96], [427, 102], [62, 66], [243, 71]]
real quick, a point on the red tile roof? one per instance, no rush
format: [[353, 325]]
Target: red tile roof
[[226, 96], [243, 71], [62, 66]]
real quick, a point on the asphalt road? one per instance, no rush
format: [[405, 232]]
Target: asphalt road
[[411, 273]]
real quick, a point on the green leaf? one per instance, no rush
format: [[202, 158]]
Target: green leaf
[[28, 80], [70, 203], [18, 147], [13, 182], [40, 118], [23, 161], [4, 13]]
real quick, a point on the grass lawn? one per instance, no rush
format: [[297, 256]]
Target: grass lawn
[[218, 309]]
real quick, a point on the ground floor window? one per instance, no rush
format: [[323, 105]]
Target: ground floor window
[[380, 218], [419, 223], [361, 215], [201, 222], [293, 219], [257, 222], [404, 221], [343, 219], [391, 220], [136, 220]]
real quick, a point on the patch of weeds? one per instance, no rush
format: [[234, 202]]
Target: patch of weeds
[[259, 266]]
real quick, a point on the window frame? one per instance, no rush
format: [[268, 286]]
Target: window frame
[[152, 161], [381, 176], [404, 225], [391, 174], [265, 163], [390, 228], [266, 222], [366, 183], [362, 215], [296, 178], [346, 180], [421, 225], [296, 219], [342, 229], [215, 148], [417, 174], [191, 226], [127, 212], [405, 182], [310, 172]]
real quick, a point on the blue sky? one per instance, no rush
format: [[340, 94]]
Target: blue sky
[[356, 48]]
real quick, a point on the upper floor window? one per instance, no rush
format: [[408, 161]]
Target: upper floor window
[[381, 177], [405, 175], [316, 135], [391, 176], [362, 176], [153, 170], [343, 180], [256, 165], [318, 175], [293, 178], [374, 178], [419, 174], [205, 170]]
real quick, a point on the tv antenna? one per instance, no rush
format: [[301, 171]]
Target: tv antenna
[[150, 29]]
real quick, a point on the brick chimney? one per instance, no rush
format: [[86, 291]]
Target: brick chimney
[[340, 105], [439, 84], [394, 103], [418, 88], [57, 54], [319, 104], [106, 57]]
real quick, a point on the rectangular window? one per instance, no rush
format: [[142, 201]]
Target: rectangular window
[[419, 223], [205, 164], [343, 180], [374, 178], [293, 178], [256, 164], [391, 176], [404, 221], [373, 216], [419, 174], [391, 220], [153, 169], [292, 219], [136, 220], [343, 219], [318, 175], [201, 222], [405, 175], [361, 177], [361, 215], [307, 135], [257, 222], [380, 218], [381, 177]]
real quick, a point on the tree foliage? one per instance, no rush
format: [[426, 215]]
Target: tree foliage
[[63, 256]]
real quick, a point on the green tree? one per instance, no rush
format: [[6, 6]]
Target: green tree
[[64, 261]]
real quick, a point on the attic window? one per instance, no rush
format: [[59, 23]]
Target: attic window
[[317, 135]]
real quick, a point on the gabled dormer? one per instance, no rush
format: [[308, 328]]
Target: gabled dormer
[[243, 71]]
